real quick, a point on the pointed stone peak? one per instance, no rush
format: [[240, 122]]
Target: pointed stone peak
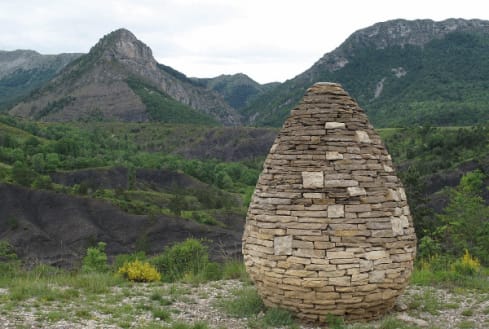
[[122, 44]]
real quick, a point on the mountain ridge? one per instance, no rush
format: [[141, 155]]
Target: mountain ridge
[[95, 84], [22, 71], [350, 64]]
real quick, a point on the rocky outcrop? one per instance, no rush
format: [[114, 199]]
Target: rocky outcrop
[[328, 229], [96, 85]]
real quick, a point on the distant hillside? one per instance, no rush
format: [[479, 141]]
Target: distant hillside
[[238, 90], [402, 72], [120, 80], [21, 71]]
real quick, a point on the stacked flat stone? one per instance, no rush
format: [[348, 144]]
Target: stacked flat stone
[[328, 230]]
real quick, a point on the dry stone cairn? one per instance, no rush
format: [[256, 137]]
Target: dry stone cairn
[[328, 230]]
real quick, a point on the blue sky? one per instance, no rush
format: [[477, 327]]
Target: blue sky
[[270, 40]]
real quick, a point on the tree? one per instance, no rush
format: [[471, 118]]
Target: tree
[[22, 174], [465, 220]]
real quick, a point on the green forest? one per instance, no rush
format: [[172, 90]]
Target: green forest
[[31, 152], [443, 83]]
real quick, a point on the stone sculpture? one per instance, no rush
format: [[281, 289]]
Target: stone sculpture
[[328, 230]]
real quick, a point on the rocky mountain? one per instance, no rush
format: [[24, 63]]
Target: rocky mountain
[[120, 80], [239, 90], [21, 71], [402, 72]]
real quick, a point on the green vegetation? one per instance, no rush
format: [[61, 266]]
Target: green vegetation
[[200, 190], [238, 90], [188, 259], [441, 86], [245, 303], [426, 155], [52, 295], [95, 259], [163, 108]]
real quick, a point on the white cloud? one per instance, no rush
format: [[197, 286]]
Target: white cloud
[[266, 39]]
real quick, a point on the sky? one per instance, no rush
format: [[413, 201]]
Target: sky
[[269, 40]]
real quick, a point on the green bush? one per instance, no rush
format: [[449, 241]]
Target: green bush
[[121, 259], [184, 258], [9, 262], [95, 259]]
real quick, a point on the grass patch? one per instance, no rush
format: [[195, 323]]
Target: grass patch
[[425, 302], [273, 317], [235, 269], [245, 303], [183, 325], [162, 314], [466, 325], [450, 279]]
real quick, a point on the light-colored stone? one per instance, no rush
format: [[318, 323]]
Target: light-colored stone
[[411, 320], [313, 195], [312, 179], [336, 211], [334, 155], [334, 125], [376, 254], [282, 245], [397, 226], [356, 191], [362, 137], [340, 183]]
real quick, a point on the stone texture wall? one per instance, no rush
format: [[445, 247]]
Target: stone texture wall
[[328, 229]]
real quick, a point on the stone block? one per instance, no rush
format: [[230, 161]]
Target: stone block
[[334, 156], [339, 254], [396, 226], [282, 245], [340, 183], [336, 211], [334, 125], [362, 137], [313, 195], [376, 254], [312, 179], [356, 191]]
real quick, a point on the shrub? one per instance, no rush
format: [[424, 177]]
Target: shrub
[[9, 262], [235, 269], [121, 259], [96, 259], [187, 257], [467, 265], [139, 271]]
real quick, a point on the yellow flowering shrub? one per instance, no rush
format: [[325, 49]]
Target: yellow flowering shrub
[[139, 271], [467, 265]]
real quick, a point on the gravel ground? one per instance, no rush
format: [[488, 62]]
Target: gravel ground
[[133, 307]]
